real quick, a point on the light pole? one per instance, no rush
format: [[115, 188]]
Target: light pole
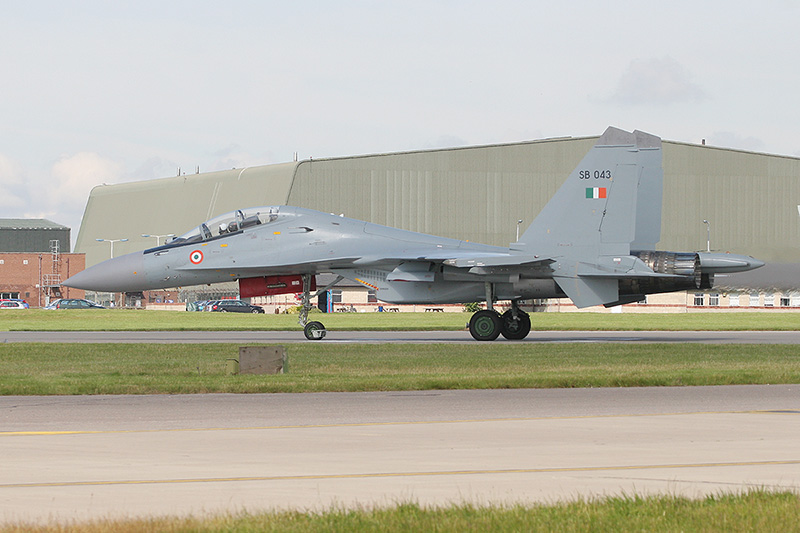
[[112, 241], [158, 237], [708, 235], [518, 223]]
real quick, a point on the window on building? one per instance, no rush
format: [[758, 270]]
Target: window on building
[[336, 294], [754, 300], [785, 301], [9, 295], [699, 299], [372, 297], [769, 300], [713, 299], [794, 299], [733, 301]]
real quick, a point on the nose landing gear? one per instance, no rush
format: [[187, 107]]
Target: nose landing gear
[[314, 330]]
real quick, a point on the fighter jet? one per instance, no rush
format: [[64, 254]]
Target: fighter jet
[[593, 242]]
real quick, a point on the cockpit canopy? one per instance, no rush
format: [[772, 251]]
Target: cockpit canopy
[[232, 222]]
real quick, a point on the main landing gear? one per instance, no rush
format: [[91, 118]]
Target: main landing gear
[[488, 324]]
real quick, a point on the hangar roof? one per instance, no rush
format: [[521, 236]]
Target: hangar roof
[[29, 223]]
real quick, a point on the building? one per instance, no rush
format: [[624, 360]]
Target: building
[[749, 200], [32, 235], [35, 259], [37, 277]]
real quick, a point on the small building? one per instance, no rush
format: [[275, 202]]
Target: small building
[[37, 277], [35, 259]]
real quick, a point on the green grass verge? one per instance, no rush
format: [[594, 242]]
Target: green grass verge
[[45, 368], [129, 320], [754, 511]]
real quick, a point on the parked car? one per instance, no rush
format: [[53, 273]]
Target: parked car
[[196, 306], [13, 303], [233, 306], [73, 303]]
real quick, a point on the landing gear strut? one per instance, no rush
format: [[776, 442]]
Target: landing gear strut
[[314, 330], [488, 324]]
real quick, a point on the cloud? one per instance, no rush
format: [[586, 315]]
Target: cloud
[[656, 81], [75, 176], [233, 156], [12, 185], [729, 139], [154, 167]]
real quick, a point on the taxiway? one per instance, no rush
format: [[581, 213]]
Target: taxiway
[[109, 456]]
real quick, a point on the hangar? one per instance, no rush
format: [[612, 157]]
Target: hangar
[[714, 198]]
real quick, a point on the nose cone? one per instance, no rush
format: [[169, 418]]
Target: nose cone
[[120, 274]]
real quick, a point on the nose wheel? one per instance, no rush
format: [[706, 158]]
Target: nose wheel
[[314, 331]]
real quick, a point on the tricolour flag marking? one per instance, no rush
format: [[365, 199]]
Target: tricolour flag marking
[[595, 192]]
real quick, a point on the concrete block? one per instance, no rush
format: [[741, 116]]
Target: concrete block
[[263, 360]]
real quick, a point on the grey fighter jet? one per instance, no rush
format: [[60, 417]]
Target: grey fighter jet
[[593, 242]]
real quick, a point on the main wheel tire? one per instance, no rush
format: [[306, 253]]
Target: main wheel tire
[[314, 331], [485, 325], [518, 329]]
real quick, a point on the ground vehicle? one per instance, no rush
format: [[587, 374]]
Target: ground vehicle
[[13, 303], [233, 306], [73, 303], [196, 306]]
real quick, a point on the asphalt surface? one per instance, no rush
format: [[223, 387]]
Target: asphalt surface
[[712, 337], [85, 457]]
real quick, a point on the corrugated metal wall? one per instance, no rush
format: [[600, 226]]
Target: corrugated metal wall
[[34, 239], [475, 194], [173, 205], [750, 200]]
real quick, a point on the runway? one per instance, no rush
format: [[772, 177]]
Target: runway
[[108, 456], [709, 337]]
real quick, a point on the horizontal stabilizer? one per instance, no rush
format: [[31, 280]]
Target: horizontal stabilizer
[[586, 292]]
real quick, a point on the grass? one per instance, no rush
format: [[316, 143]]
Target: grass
[[757, 510], [129, 320], [44, 368], [53, 368]]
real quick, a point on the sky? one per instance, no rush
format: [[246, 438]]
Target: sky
[[97, 92]]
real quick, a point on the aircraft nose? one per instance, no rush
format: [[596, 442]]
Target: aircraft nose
[[120, 274]]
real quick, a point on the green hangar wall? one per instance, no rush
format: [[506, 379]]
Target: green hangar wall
[[473, 193]]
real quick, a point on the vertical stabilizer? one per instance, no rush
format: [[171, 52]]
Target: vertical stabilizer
[[610, 204]]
